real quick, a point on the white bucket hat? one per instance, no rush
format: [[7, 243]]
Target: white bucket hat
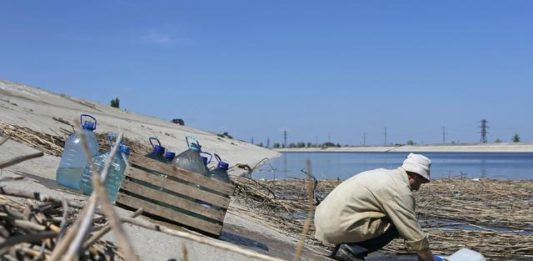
[[417, 163]]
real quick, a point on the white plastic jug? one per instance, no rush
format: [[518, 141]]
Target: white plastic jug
[[465, 254]]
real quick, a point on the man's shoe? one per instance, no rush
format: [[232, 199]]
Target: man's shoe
[[344, 253]]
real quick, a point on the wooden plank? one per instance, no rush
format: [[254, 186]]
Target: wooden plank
[[203, 225], [172, 200], [172, 170], [184, 189]]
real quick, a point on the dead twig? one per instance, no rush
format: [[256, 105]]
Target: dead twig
[[20, 159]]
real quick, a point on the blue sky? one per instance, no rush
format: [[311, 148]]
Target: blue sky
[[319, 69]]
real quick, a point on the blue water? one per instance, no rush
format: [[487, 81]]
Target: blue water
[[330, 165]]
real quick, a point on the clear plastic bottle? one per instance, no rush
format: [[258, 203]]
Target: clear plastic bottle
[[73, 160], [115, 174], [221, 171], [190, 159]]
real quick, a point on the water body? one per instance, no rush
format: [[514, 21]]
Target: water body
[[331, 165]]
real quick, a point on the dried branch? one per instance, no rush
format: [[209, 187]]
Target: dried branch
[[6, 138], [20, 159]]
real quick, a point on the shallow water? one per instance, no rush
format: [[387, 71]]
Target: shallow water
[[332, 165]]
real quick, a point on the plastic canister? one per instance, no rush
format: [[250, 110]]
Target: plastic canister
[[190, 159], [221, 171], [73, 160], [115, 174], [158, 150], [465, 254]]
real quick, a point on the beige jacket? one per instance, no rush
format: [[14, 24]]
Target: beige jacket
[[365, 205]]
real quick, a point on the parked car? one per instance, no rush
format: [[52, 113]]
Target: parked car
[[178, 121]]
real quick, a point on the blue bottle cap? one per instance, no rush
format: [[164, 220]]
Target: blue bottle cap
[[204, 159], [88, 125], [223, 165], [195, 146], [158, 150], [169, 155], [124, 149]]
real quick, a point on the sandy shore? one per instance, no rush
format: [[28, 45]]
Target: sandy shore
[[489, 147]]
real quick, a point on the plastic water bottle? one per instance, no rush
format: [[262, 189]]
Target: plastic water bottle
[[191, 159], [466, 254], [221, 171], [73, 160], [115, 174]]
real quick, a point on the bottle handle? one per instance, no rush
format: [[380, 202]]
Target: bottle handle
[[89, 116], [193, 140], [218, 158], [151, 143]]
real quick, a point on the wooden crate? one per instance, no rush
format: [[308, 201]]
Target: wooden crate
[[174, 196]]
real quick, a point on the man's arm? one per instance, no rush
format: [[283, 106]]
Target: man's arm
[[400, 210]]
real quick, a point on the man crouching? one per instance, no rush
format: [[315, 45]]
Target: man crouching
[[367, 211]]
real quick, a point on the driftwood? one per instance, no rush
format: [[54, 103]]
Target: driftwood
[[20, 159]]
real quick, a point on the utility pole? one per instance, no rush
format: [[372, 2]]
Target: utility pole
[[484, 131], [253, 140], [364, 138], [385, 136], [443, 135], [268, 142], [285, 138], [329, 136]]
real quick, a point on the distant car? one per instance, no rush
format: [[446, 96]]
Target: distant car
[[178, 121]]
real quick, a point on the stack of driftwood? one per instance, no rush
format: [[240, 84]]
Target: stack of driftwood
[[34, 229]]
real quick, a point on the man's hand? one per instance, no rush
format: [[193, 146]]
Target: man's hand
[[424, 255]]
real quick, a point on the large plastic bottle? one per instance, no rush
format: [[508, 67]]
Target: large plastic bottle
[[221, 171], [115, 174], [191, 159], [73, 160]]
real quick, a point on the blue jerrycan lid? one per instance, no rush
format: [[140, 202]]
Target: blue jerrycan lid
[[205, 160], [193, 144], [88, 125], [223, 165], [169, 155], [124, 149]]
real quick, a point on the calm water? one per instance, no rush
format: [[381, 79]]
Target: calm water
[[343, 165]]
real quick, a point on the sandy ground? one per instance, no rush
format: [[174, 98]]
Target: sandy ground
[[35, 108], [488, 147]]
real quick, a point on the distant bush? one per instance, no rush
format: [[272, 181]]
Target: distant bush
[[225, 135], [516, 138], [115, 103]]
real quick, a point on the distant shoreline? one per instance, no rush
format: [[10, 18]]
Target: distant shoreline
[[477, 148]]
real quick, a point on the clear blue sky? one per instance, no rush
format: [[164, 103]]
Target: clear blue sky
[[315, 68]]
